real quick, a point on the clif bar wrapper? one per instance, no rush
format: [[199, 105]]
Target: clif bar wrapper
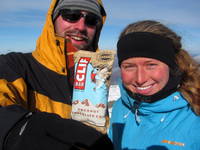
[[91, 83]]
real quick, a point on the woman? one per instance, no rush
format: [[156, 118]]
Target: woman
[[159, 106]]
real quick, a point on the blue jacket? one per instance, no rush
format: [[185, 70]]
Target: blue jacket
[[168, 124]]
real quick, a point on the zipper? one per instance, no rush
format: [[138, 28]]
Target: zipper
[[69, 72]]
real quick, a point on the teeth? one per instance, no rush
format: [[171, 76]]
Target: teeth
[[77, 38], [143, 88]]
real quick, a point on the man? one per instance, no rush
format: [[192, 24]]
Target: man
[[79, 22], [40, 81]]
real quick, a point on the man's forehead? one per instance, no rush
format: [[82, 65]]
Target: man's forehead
[[85, 5]]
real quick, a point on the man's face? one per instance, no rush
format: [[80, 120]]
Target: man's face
[[80, 34]]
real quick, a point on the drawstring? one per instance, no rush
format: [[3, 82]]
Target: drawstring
[[125, 116], [163, 118], [135, 109]]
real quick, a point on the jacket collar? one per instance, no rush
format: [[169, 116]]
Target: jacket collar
[[172, 102], [50, 49]]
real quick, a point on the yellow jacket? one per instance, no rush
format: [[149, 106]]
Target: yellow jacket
[[39, 80]]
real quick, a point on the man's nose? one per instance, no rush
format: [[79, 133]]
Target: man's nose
[[80, 24]]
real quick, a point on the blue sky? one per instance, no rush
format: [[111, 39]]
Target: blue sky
[[21, 21]]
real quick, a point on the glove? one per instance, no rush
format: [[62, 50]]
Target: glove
[[42, 130]]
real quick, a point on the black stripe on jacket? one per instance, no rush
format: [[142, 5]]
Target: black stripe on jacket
[[37, 77]]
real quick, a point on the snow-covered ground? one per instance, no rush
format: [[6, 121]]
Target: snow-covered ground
[[114, 94], [197, 58]]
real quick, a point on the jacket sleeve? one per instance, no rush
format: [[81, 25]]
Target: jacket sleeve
[[40, 130], [13, 89]]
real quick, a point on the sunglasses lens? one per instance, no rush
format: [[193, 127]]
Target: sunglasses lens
[[70, 15], [91, 20], [75, 15]]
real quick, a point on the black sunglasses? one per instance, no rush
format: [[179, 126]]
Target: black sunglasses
[[75, 15]]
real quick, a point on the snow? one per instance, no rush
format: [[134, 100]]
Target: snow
[[114, 94]]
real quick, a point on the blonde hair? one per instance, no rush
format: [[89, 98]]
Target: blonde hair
[[190, 84]]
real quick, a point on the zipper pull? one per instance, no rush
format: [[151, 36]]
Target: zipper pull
[[137, 117]]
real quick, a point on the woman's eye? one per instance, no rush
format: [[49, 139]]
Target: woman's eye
[[128, 67], [151, 65]]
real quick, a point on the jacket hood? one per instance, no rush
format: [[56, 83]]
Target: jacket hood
[[51, 50], [172, 102]]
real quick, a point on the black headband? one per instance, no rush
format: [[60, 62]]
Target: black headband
[[146, 44]]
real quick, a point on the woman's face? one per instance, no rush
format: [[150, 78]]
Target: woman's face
[[143, 75]]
